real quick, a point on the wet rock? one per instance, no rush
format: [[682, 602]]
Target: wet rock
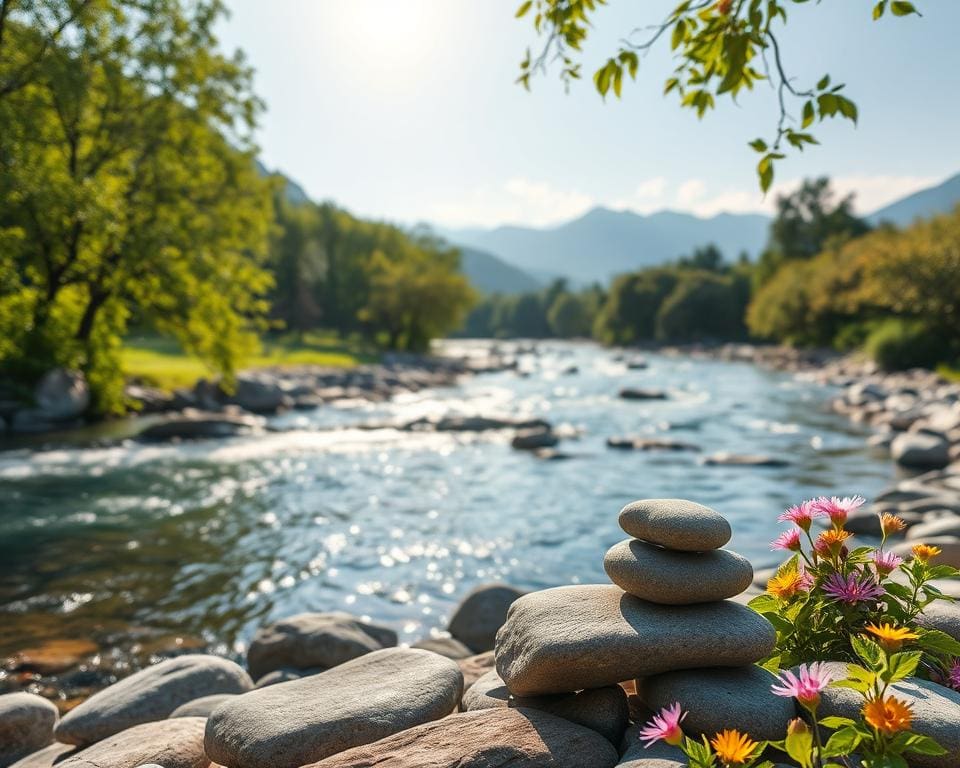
[[282, 675], [724, 459], [676, 578], [920, 450], [203, 706], [170, 743], [200, 426], [722, 698], [52, 657], [46, 757], [26, 725], [150, 694], [635, 393], [480, 614], [491, 738], [603, 710], [675, 524], [260, 394], [650, 444], [445, 646], [569, 638], [358, 702], [936, 712], [314, 640], [531, 440]]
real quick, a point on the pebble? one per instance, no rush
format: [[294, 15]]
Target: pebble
[[725, 459], [203, 706], [480, 614], [722, 698], [489, 738], [369, 698], [150, 694], [634, 393], [676, 578], [569, 638], [675, 524], [26, 725], [170, 743], [314, 640]]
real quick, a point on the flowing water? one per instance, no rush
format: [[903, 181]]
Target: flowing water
[[211, 539]]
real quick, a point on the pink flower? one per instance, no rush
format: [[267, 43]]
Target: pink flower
[[805, 687], [852, 589], [837, 509], [801, 514], [886, 562], [789, 540], [665, 725], [953, 676]]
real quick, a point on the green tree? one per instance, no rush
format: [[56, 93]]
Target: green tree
[[702, 306], [723, 49], [569, 317], [127, 186], [630, 311]]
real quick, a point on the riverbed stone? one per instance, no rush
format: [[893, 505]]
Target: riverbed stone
[[669, 577], [942, 615], [358, 702], [26, 725], [936, 713], [203, 706], [47, 757], [445, 646], [920, 449], [944, 525], [722, 698], [637, 393], [534, 439], [635, 754], [569, 638], [314, 640], [490, 738], [170, 743], [480, 614], [726, 459], [675, 524], [603, 710], [150, 694], [475, 667]]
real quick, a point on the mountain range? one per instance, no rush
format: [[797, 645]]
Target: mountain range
[[602, 243]]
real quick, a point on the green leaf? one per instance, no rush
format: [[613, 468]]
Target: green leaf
[[765, 171], [924, 745], [878, 9], [939, 642], [843, 742], [799, 745], [761, 146], [902, 8], [679, 33], [524, 7], [834, 721], [867, 650], [824, 83], [847, 108], [808, 114], [901, 665]]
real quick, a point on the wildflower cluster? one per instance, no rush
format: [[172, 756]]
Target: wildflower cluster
[[830, 591]]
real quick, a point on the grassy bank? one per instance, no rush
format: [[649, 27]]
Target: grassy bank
[[162, 363]]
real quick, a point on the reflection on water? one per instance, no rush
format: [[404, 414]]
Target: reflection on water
[[211, 539]]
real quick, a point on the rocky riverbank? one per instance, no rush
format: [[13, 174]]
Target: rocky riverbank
[[559, 677]]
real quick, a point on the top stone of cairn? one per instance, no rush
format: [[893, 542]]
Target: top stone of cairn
[[675, 524]]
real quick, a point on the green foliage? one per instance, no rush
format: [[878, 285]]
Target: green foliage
[[898, 344], [703, 306], [569, 317], [629, 314], [722, 49]]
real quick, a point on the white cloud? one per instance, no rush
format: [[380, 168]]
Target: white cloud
[[689, 192], [647, 197]]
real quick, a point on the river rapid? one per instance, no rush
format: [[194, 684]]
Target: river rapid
[[198, 544]]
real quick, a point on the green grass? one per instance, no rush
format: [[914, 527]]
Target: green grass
[[161, 362]]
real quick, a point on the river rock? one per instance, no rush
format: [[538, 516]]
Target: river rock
[[358, 702], [725, 459], [534, 439], [676, 578], [722, 698], [314, 640], [199, 426], [603, 710], [150, 694], [480, 614], [490, 738], [170, 743], [62, 395], [947, 525], [26, 725], [942, 615], [634, 754], [201, 707], [936, 713], [445, 646], [918, 449], [475, 667], [569, 638], [635, 393], [675, 524], [46, 757], [949, 549]]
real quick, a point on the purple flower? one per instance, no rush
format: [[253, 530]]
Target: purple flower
[[852, 589], [886, 562], [953, 676]]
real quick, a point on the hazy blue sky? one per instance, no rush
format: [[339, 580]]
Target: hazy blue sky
[[407, 110]]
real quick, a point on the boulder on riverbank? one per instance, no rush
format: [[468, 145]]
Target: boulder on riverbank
[[194, 425], [26, 725]]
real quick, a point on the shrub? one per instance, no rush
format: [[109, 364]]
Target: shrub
[[897, 344]]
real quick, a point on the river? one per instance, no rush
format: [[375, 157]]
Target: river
[[206, 541]]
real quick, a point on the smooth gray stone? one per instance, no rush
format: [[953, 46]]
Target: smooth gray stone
[[168, 743], [676, 578], [150, 694], [675, 524], [46, 757], [722, 698], [26, 725], [569, 638], [489, 738], [480, 614], [948, 525], [634, 754], [917, 449], [203, 706], [445, 646], [475, 667], [603, 710], [370, 698], [942, 615], [285, 675], [314, 640], [936, 713]]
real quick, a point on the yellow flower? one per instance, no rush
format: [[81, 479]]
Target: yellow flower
[[787, 582], [888, 715], [733, 747], [924, 552], [889, 636], [891, 524], [829, 543]]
